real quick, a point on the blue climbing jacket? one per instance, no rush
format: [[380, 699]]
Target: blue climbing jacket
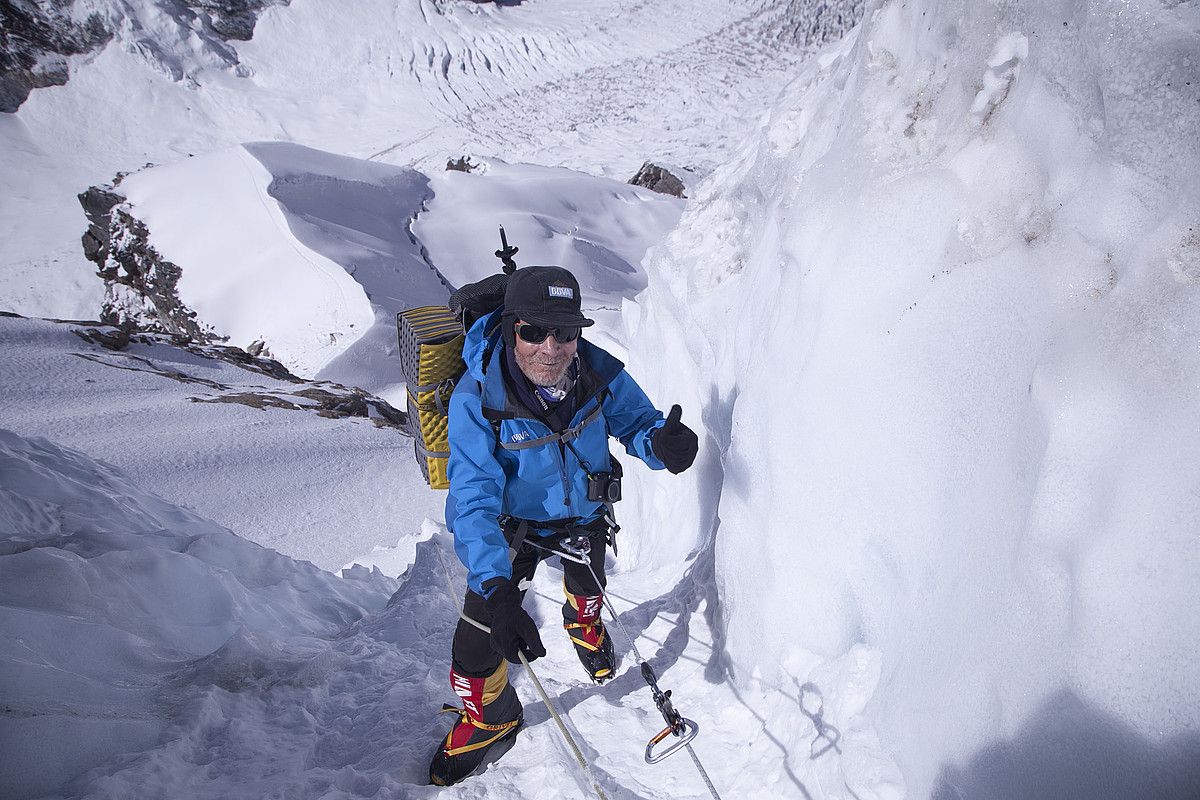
[[523, 471]]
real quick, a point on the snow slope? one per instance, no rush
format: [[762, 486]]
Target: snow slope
[[314, 254], [561, 82], [938, 324], [325, 490], [130, 621], [947, 358]]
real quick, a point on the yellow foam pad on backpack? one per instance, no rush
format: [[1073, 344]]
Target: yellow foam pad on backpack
[[431, 343]]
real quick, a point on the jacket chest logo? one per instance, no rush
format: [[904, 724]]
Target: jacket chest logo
[[520, 436]]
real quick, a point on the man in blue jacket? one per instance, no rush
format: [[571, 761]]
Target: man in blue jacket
[[529, 465]]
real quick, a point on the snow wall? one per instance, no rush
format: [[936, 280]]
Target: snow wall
[[942, 325]]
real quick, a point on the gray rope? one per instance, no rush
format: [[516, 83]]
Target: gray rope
[[624, 632], [537, 684], [703, 773]]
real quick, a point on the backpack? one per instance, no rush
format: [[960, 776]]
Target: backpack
[[431, 341]]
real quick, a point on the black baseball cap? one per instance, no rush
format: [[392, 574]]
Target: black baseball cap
[[546, 296]]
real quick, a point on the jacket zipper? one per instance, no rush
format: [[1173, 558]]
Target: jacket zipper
[[566, 480]]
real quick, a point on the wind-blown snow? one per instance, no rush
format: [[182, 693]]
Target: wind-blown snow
[[936, 321], [246, 285], [948, 364], [125, 615], [598, 228]]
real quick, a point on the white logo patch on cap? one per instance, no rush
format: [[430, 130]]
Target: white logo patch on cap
[[561, 291]]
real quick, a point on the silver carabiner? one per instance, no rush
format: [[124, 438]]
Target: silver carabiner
[[687, 731], [578, 548]]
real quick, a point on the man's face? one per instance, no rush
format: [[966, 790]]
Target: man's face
[[547, 362]]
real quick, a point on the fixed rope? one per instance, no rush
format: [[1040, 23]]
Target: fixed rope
[[675, 723], [562, 728]]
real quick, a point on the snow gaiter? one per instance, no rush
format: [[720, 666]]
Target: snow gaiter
[[487, 726], [581, 618]]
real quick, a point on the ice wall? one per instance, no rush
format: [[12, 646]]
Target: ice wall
[[942, 323]]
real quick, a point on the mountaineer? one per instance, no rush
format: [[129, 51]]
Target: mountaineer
[[529, 468]]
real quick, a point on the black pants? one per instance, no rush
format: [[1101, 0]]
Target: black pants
[[472, 650]]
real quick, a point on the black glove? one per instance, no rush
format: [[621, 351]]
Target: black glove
[[674, 443], [513, 630]]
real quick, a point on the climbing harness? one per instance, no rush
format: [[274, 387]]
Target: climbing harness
[[578, 548]]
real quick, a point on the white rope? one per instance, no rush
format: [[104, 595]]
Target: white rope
[[538, 684], [566, 734], [703, 772], [633, 645]]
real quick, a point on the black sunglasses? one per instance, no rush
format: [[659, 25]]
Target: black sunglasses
[[536, 334]]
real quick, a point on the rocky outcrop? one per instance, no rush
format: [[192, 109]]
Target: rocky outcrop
[[461, 164], [323, 398], [36, 38], [658, 179], [233, 20], [98, 203], [140, 286]]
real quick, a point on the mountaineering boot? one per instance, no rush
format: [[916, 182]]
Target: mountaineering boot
[[486, 728], [592, 643]]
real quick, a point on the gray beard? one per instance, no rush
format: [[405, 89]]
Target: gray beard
[[559, 390]]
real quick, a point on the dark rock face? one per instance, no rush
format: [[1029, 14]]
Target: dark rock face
[[35, 39], [234, 20], [461, 164], [658, 179], [98, 203], [140, 286]]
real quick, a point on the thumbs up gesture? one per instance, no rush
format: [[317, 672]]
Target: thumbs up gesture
[[674, 443]]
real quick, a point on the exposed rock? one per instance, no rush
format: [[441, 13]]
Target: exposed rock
[[462, 164], [658, 179], [140, 286], [98, 203], [109, 337], [323, 398], [234, 19], [262, 363], [35, 40]]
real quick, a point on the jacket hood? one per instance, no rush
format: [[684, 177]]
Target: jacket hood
[[482, 341]]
